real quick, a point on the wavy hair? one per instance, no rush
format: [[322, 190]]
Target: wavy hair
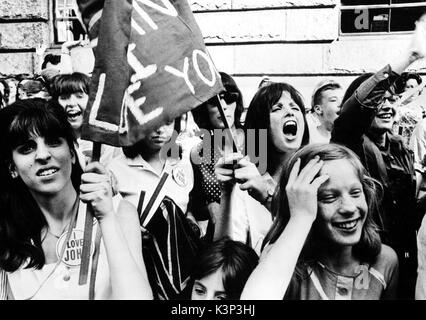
[[21, 219], [369, 245]]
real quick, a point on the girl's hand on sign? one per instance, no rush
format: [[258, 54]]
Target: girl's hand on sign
[[96, 189], [302, 188]]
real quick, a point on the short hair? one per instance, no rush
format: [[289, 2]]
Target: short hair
[[236, 259], [52, 58], [260, 107], [132, 151], [31, 86], [64, 84], [370, 244], [200, 113], [320, 88]]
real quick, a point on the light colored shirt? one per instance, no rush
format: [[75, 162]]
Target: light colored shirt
[[136, 175], [60, 282], [315, 134]]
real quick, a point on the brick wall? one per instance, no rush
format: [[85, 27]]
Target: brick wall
[[23, 26]]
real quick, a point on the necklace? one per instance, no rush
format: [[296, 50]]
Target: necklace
[[52, 234]]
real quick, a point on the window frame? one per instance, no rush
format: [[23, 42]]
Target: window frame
[[376, 6], [56, 19]]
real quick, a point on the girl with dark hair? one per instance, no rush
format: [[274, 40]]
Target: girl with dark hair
[[323, 243], [72, 93], [205, 197], [42, 214], [276, 115], [221, 270]]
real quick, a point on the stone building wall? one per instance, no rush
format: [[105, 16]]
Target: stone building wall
[[296, 41], [24, 25]]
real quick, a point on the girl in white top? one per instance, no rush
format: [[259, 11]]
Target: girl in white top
[[40, 223]]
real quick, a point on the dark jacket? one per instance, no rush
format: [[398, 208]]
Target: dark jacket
[[399, 215]]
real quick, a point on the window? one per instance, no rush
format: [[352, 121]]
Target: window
[[67, 26], [372, 16]]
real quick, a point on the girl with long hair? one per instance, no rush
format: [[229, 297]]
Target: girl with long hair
[[42, 212], [323, 243], [276, 125]]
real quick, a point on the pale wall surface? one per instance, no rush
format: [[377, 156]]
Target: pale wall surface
[[296, 41], [293, 41]]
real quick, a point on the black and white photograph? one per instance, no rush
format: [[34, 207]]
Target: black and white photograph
[[234, 151]]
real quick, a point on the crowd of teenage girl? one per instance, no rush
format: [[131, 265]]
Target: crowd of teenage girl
[[335, 213]]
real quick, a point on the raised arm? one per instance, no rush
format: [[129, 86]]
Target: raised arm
[[358, 111], [121, 235], [270, 279]]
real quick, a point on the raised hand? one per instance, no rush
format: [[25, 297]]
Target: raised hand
[[69, 45], [302, 188], [96, 189], [41, 49]]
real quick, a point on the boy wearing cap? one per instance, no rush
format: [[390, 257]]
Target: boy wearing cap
[[326, 100]]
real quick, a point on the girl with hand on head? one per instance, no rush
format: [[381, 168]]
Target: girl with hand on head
[[43, 207], [323, 243]]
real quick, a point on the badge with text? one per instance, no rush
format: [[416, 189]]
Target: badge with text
[[179, 176], [73, 249]]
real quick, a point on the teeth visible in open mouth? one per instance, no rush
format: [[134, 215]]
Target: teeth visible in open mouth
[[47, 172], [290, 127], [385, 116], [73, 114], [346, 225]]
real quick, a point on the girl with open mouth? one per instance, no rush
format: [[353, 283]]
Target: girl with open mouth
[[275, 127], [323, 244]]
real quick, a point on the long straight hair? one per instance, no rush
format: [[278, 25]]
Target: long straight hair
[[21, 219], [369, 245]]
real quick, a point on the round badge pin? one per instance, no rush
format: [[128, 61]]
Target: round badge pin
[[179, 176], [73, 249]]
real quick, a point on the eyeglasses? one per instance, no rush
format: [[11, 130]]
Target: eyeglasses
[[229, 97]]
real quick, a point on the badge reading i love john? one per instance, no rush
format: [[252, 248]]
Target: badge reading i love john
[[179, 176], [73, 249]]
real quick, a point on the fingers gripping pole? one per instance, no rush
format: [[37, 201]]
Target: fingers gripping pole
[[88, 228]]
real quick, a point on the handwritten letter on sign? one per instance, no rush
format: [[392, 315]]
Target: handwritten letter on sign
[[151, 66]]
